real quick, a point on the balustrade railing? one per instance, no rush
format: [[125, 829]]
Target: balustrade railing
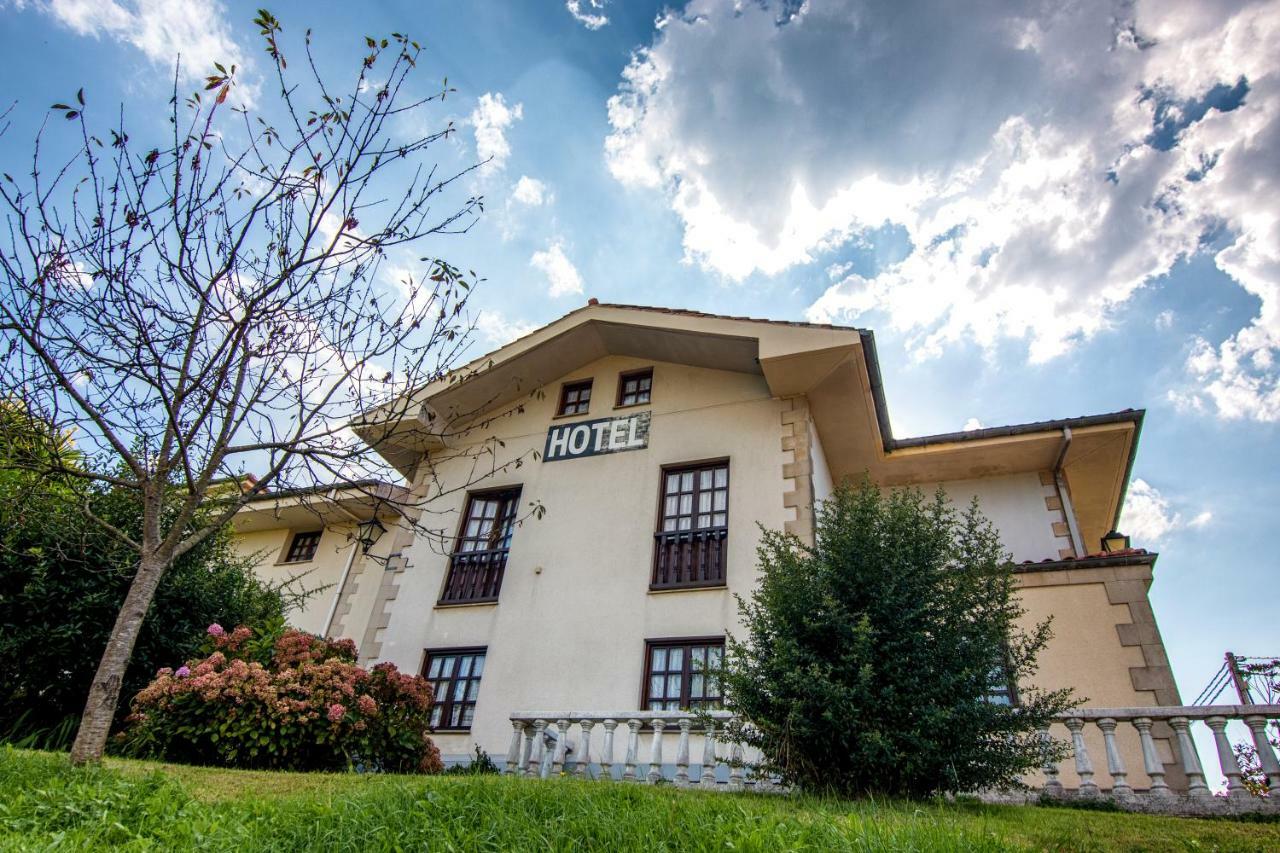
[[642, 746], [1179, 720], [688, 749]]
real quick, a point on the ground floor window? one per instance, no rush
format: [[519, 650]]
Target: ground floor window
[[455, 682], [683, 674]]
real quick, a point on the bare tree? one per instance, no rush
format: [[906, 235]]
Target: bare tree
[[217, 304]]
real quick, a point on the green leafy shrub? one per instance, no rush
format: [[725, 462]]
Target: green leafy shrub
[[63, 580], [284, 699], [882, 659]]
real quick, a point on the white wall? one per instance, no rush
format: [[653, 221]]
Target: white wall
[[1015, 505], [575, 608], [822, 483]]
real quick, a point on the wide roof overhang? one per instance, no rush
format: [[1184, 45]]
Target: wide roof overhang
[[834, 367], [322, 506]]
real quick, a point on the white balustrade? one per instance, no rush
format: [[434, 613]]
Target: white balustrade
[[1266, 755], [606, 757], [655, 752], [513, 753], [1190, 758], [582, 762], [562, 742], [543, 744], [1150, 760], [535, 759], [550, 747], [682, 752]]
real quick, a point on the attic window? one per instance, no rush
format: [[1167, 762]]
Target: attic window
[[634, 387], [303, 547], [575, 398]]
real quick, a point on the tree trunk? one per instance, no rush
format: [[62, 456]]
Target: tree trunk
[[104, 693]]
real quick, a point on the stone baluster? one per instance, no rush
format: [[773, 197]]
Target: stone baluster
[[1150, 758], [1115, 763], [655, 752], [513, 752], [1052, 786], [1226, 758], [633, 747], [682, 752], [1266, 755], [535, 758], [1190, 758], [606, 756], [1084, 767], [709, 754], [562, 747], [582, 766], [527, 753], [736, 762]]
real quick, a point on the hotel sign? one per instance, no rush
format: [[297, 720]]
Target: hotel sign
[[592, 438]]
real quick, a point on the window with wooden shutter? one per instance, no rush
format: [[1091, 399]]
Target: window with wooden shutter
[[691, 543]]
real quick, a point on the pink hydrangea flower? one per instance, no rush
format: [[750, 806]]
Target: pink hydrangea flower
[[216, 630], [368, 706], [336, 712], [182, 671]]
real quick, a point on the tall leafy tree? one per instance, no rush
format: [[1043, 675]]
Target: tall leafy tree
[[216, 302], [880, 660], [62, 582]]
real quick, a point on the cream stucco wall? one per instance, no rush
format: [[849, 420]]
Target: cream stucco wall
[[323, 574], [575, 608], [1015, 505], [268, 547]]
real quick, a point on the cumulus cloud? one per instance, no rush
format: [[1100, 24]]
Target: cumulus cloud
[[530, 191], [490, 120], [161, 29], [972, 424], [1149, 516], [1045, 162], [562, 276], [588, 12]]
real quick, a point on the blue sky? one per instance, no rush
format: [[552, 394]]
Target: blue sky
[[1041, 212]]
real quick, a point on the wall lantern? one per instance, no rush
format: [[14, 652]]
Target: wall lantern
[[1115, 541], [368, 533]]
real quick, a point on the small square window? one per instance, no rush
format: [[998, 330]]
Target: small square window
[[575, 398], [303, 547], [635, 388]]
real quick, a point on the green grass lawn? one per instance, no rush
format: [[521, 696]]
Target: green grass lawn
[[127, 805]]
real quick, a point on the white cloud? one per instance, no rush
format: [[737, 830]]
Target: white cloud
[[588, 12], [490, 120], [497, 329], [1045, 162], [1202, 519], [1149, 516], [161, 29], [972, 424], [562, 277], [1164, 320], [530, 191]]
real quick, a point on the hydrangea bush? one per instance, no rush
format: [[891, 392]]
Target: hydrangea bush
[[284, 699]]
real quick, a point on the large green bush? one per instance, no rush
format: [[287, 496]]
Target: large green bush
[[870, 661], [64, 577], [284, 699]]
